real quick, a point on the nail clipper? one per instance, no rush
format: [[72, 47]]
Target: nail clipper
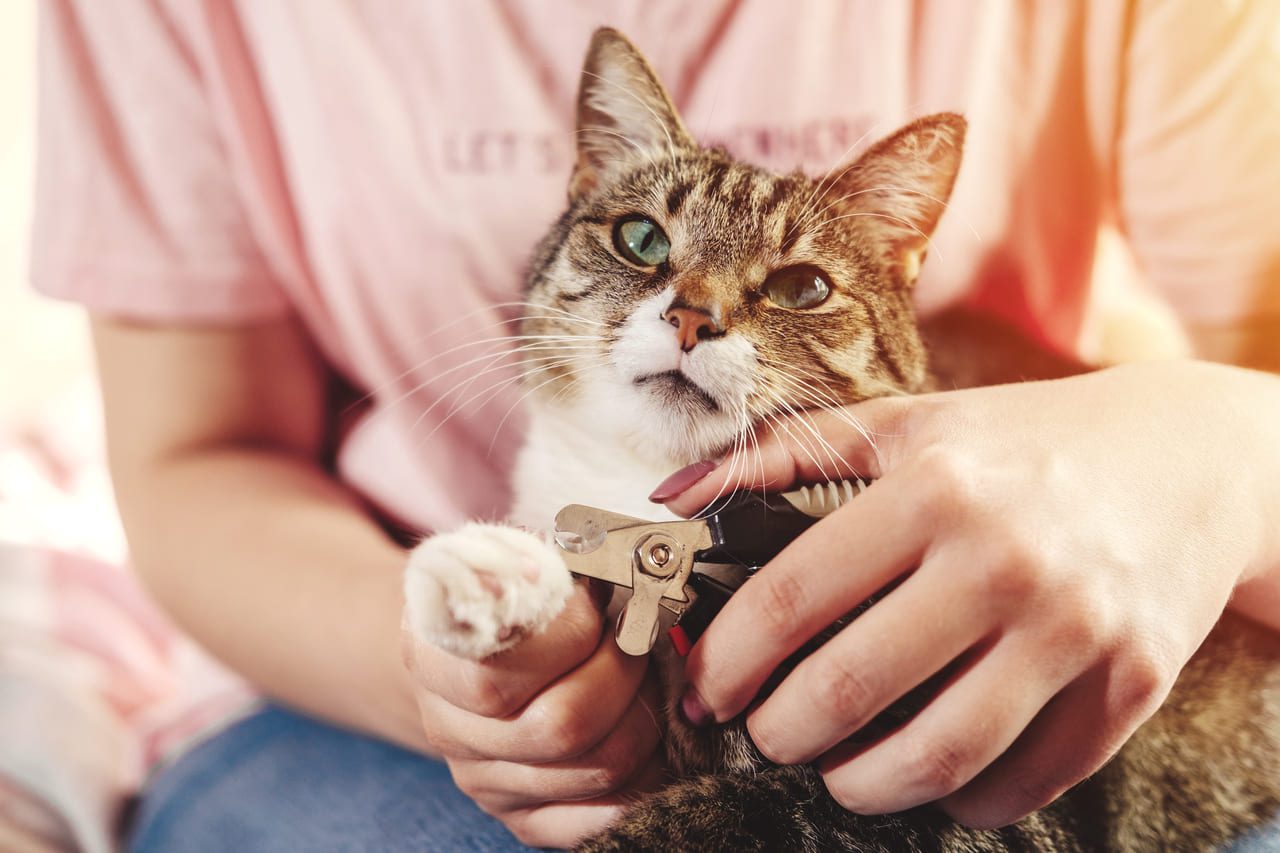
[[689, 568]]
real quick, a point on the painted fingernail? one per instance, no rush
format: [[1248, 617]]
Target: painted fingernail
[[694, 710], [681, 480]]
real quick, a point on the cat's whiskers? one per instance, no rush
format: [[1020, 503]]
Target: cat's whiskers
[[826, 393], [540, 306], [527, 365], [500, 342], [492, 358], [555, 398], [828, 402], [833, 456], [505, 321], [529, 368], [773, 401], [372, 393], [500, 352], [569, 374], [755, 449], [823, 400], [463, 385], [734, 456], [491, 391], [803, 445]]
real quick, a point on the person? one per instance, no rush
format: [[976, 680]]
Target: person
[[264, 206]]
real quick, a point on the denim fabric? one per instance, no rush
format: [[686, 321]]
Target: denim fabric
[[277, 782], [1265, 839]]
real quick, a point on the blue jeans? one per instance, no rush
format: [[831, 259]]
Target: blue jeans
[[277, 781]]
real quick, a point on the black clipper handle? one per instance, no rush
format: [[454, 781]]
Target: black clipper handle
[[746, 530], [710, 597], [750, 530]]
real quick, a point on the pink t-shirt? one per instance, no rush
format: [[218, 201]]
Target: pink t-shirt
[[383, 169]]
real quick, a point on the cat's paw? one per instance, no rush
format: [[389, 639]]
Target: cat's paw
[[481, 589]]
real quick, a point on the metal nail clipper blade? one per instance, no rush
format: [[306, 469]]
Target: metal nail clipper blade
[[689, 568]]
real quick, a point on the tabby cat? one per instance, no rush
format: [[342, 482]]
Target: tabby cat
[[681, 299]]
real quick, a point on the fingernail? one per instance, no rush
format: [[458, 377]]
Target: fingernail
[[681, 480], [694, 710]]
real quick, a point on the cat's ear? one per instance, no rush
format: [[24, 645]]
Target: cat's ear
[[904, 182], [623, 112]]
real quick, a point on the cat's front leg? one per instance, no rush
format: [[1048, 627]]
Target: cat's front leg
[[481, 589], [788, 808]]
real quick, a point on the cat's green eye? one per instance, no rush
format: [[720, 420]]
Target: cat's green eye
[[797, 287], [641, 241]]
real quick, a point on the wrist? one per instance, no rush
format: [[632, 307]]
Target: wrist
[[1251, 405]]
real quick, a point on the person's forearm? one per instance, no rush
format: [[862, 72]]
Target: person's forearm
[[279, 572]]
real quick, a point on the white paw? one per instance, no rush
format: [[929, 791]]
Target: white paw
[[481, 589]]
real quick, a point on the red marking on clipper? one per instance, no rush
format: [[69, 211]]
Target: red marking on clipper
[[680, 640]]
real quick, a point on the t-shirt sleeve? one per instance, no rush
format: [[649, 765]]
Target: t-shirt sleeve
[[137, 211], [1199, 155]]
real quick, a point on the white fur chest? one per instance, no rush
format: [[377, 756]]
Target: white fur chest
[[566, 460]]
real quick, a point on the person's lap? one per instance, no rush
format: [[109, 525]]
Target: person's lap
[[277, 781]]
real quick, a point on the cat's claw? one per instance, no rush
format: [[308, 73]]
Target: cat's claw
[[481, 589]]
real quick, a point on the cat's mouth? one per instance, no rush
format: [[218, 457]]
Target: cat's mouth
[[674, 387]]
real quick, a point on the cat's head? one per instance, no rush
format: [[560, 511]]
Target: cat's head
[[685, 295]]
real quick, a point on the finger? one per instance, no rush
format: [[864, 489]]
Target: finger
[[532, 786], [870, 663], [566, 719], [1075, 735], [501, 685], [608, 766], [826, 572], [564, 824], [827, 444], [965, 728]]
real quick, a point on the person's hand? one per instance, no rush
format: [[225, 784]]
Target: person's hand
[[551, 736], [1067, 544]]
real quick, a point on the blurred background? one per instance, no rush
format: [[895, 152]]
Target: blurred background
[[42, 344], [52, 485]]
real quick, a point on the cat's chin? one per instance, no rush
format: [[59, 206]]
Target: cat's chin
[[678, 393], [664, 421], [684, 432]]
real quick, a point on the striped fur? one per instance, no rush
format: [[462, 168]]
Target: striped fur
[[1204, 768]]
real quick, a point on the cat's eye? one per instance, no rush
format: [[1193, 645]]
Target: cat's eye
[[797, 287], [641, 241]]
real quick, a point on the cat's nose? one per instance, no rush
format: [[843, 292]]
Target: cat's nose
[[692, 326]]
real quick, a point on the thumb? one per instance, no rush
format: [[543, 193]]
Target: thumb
[[808, 447]]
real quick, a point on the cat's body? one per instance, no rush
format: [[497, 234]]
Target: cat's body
[[1200, 772], [1181, 782], [728, 298]]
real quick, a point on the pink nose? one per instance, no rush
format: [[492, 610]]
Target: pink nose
[[691, 326]]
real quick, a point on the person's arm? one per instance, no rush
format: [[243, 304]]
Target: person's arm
[[213, 435], [1254, 344]]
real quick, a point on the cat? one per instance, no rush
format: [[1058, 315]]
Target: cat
[[685, 298]]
